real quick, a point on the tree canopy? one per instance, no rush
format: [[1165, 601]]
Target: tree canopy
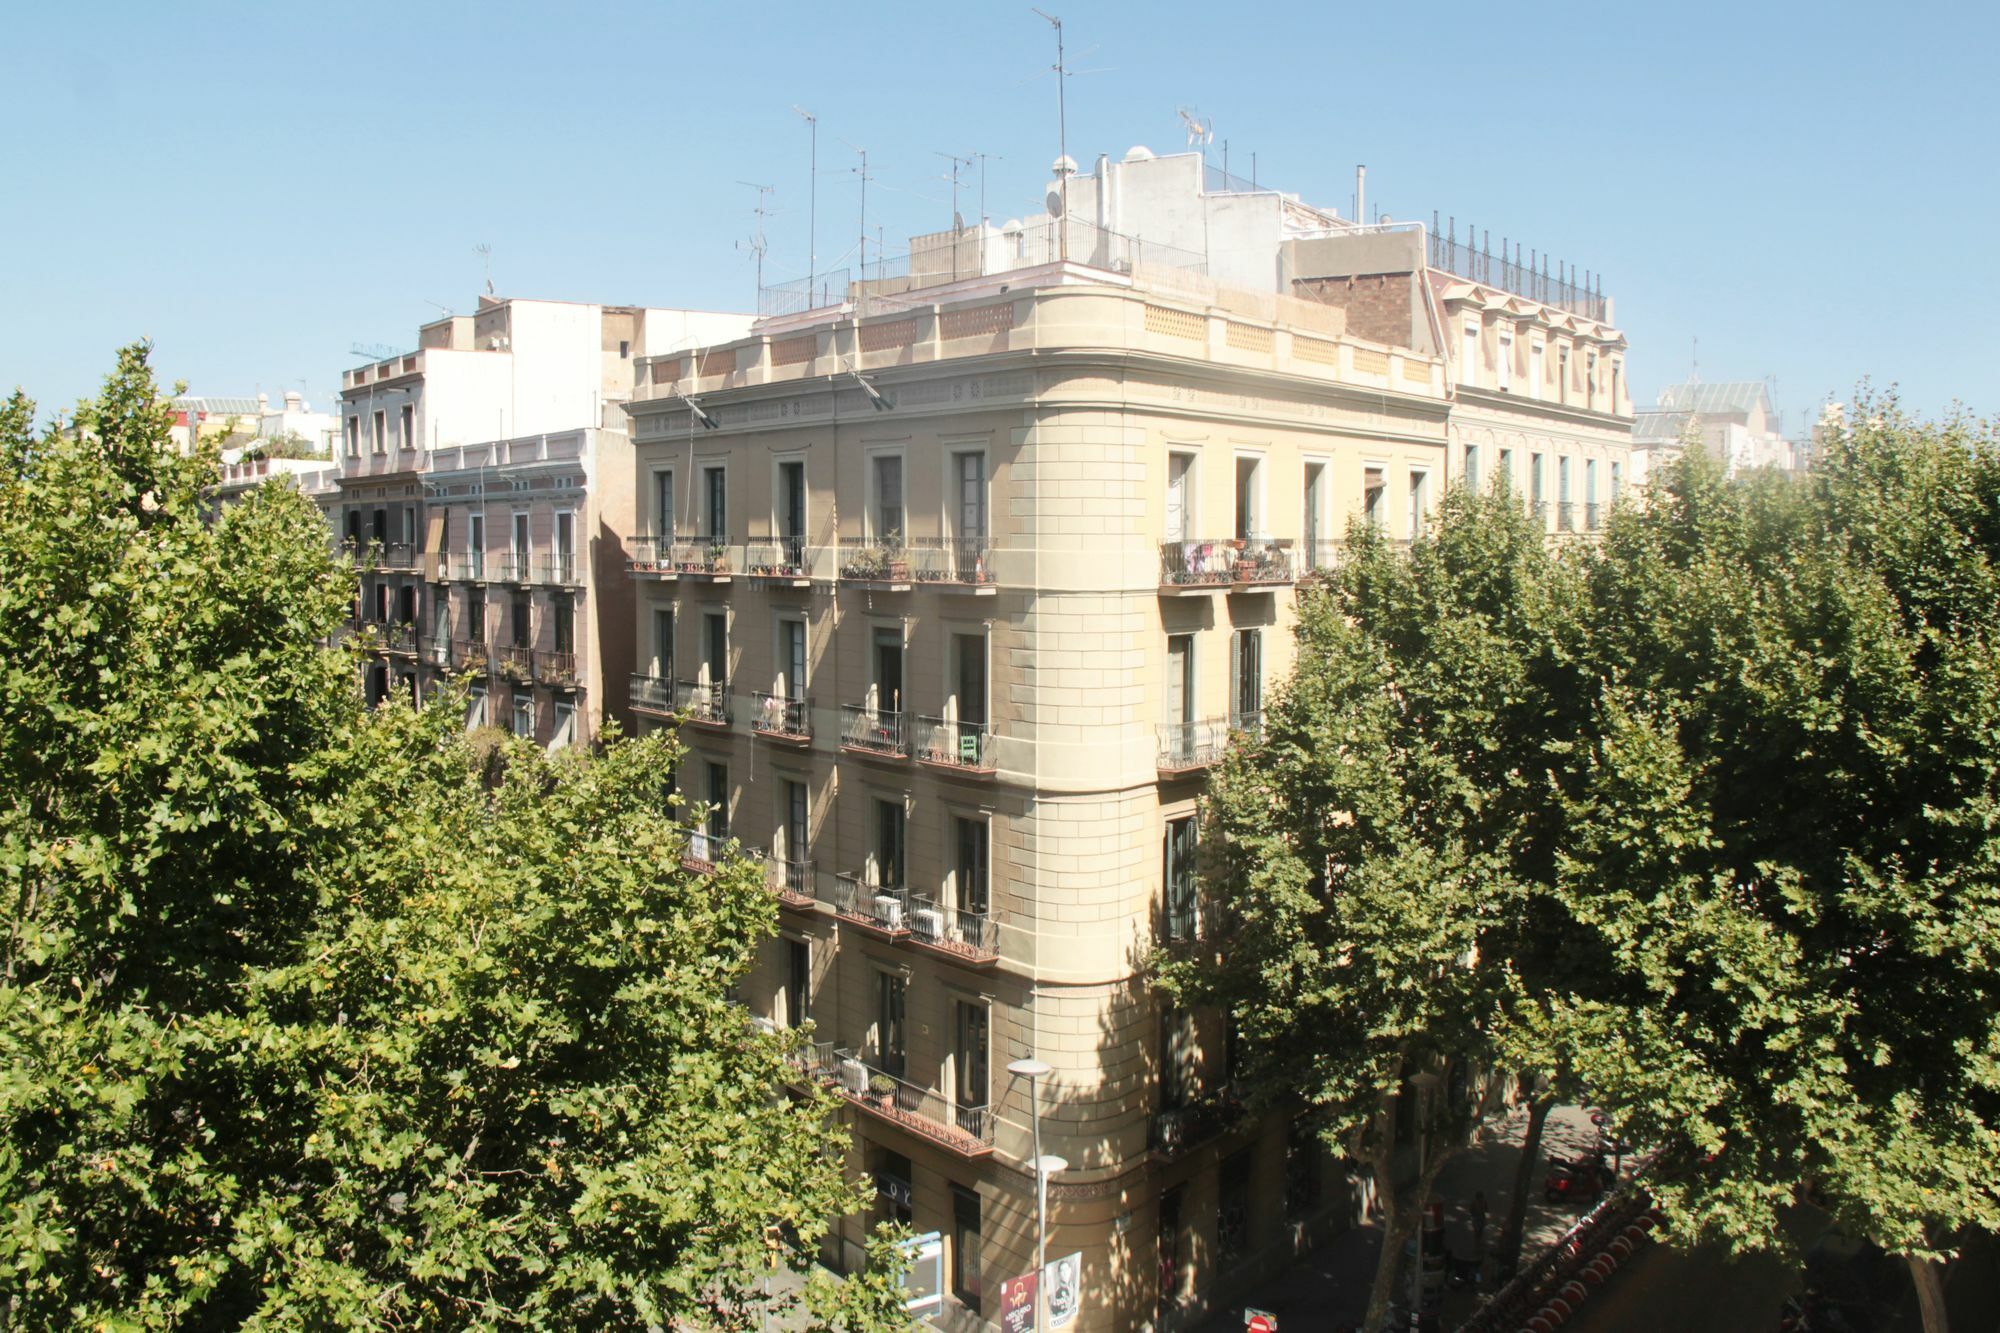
[[318, 1017], [1701, 819]]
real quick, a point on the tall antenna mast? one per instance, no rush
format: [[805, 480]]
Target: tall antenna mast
[[485, 252], [957, 223], [862, 171], [812, 203], [1062, 131], [757, 245], [984, 158]]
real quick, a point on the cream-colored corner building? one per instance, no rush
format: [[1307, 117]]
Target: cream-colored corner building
[[960, 586]]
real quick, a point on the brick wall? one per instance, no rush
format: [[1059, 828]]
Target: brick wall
[[1378, 305]]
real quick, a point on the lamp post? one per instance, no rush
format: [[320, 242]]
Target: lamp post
[[1034, 1070]]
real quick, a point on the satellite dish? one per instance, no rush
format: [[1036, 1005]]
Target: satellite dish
[[957, 221], [1055, 203], [1199, 131]]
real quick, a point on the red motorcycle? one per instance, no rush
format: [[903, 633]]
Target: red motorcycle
[[1577, 1179]]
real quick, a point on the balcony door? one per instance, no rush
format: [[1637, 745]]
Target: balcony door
[[891, 995], [1246, 666], [1180, 678], [888, 645], [715, 649], [971, 496], [798, 982], [969, 877], [969, 1058], [717, 481], [792, 509], [794, 829], [663, 506], [663, 643], [1179, 466], [970, 695], [521, 536], [565, 552], [890, 838], [792, 657]]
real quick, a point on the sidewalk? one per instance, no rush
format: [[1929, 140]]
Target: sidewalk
[[1327, 1289]]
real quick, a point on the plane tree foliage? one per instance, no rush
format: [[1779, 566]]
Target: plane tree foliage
[[1783, 840], [314, 1017], [1378, 861]]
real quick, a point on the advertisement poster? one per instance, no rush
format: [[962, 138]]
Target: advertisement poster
[[1064, 1277], [1017, 1304]]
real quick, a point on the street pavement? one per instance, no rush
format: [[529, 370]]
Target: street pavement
[[1328, 1288]]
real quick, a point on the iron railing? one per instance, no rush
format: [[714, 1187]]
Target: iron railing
[[866, 560], [1565, 516], [875, 730], [791, 880], [653, 693], [1189, 745], [815, 1060], [1197, 563], [704, 849], [650, 557], [562, 571], [434, 651], [467, 567], [511, 567], [966, 745], [956, 560], [401, 640], [782, 716], [556, 668], [517, 663], [1505, 270], [1179, 1129], [471, 655], [1247, 722], [883, 906], [775, 558], [923, 1110], [703, 701], [799, 295], [974, 935], [703, 557]]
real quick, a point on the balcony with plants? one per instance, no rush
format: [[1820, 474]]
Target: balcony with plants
[[953, 564], [962, 935], [880, 563], [925, 1112], [709, 559], [649, 557], [955, 746], [778, 561], [794, 881], [877, 732], [651, 694], [705, 702]]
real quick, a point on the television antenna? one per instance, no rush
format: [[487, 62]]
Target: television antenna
[[1062, 130], [957, 222], [1200, 133], [862, 172], [756, 245], [812, 198], [373, 351], [984, 158], [485, 252]]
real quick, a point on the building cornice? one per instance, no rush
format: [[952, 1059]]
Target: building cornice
[[1567, 413]]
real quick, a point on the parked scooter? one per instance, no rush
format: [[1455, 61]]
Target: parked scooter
[[1577, 1179]]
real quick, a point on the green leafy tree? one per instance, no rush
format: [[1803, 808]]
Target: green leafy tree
[[1784, 840], [1373, 859], [316, 1018]]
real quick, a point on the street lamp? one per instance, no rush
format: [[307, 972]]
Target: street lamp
[[1033, 1070]]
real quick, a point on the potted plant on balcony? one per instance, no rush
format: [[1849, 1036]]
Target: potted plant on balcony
[[894, 558], [884, 1089], [867, 563], [718, 557]]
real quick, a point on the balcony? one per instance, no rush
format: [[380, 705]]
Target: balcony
[[370, 636], [1208, 565], [652, 694], [929, 1114], [966, 937], [816, 1061], [1187, 746], [434, 652], [651, 558], [873, 731], [703, 850], [1565, 516], [781, 718], [1178, 1130], [375, 554], [706, 703], [960, 747], [467, 567], [556, 669], [516, 663], [559, 571], [953, 563], [881, 565], [881, 908], [706, 558], [400, 640], [792, 881], [1320, 557], [510, 567], [470, 657], [777, 561], [1592, 517]]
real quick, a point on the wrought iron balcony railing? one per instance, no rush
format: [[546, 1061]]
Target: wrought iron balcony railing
[[882, 907], [883, 562], [776, 558], [782, 717], [792, 881], [471, 656], [951, 560], [1180, 1129], [467, 567], [873, 731], [704, 701], [650, 557], [704, 557], [966, 746], [652, 694], [973, 936], [510, 567], [516, 663], [556, 668], [559, 571], [967, 1130]]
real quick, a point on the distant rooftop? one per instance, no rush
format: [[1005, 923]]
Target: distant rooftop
[[225, 407], [1659, 425], [1726, 397]]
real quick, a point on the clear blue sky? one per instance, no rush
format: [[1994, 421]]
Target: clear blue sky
[[1811, 189]]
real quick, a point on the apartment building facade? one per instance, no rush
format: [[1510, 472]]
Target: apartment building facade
[[956, 590], [430, 463]]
